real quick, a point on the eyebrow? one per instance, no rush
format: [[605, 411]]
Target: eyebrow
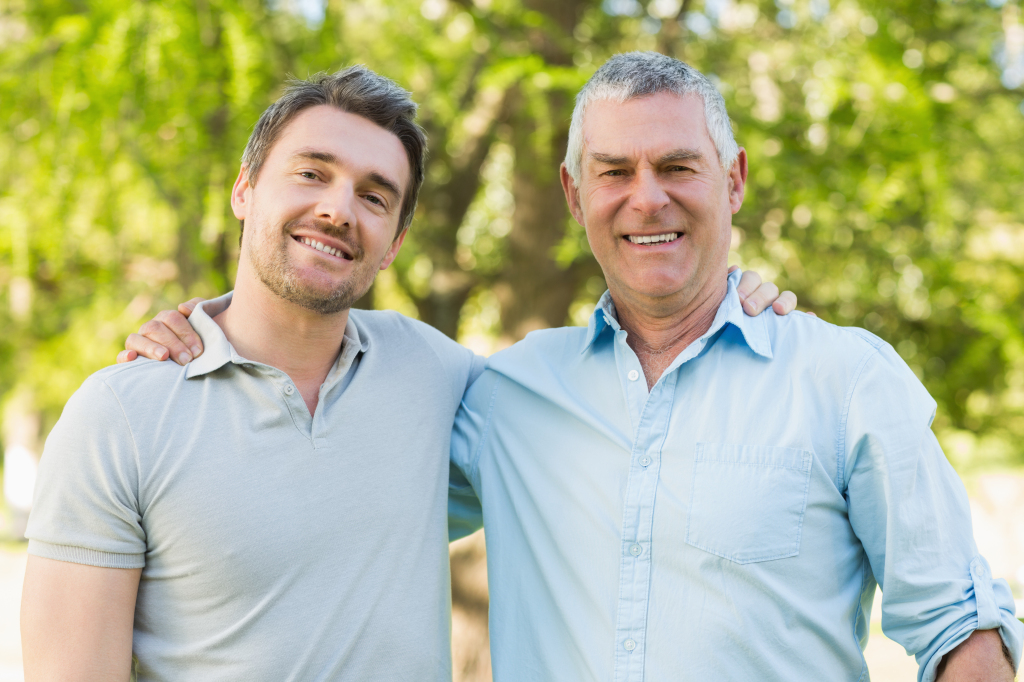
[[674, 155], [385, 183]]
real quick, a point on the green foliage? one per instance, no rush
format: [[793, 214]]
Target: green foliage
[[884, 142]]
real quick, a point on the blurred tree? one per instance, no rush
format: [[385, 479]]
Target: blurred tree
[[884, 141]]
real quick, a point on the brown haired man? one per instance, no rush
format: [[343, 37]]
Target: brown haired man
[[258, 514]]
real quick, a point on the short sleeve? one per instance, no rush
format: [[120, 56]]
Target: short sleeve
[[86, 508]]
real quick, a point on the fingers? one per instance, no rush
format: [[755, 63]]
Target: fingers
[[762, 297], [733, 268], [140, 345], [157, 341], [748, 284], [185, 338], [188, 306], [785, 303], [126, 356]]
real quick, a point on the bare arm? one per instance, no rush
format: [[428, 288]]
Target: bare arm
[[982, 657], [76, 621]]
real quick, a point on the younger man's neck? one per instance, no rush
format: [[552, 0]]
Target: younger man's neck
[[265, 328]]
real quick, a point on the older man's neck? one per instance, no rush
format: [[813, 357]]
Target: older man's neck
[[265, 328], [660, 329]]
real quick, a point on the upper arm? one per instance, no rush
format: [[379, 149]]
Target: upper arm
[[76, 621]]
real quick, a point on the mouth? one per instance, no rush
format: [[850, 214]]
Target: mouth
[[653, 239], [339, 251]]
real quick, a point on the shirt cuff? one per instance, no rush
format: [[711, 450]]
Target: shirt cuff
[[82, 555], [993, 611]]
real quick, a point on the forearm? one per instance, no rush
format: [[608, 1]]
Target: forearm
[[982, 657]]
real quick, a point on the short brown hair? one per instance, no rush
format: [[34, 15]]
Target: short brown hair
[[358, 91]]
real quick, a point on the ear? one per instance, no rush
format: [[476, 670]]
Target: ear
[[389, 257], [572, 194], [240, 196], [738, 180]]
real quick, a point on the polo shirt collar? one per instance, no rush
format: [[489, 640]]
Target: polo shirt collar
[[753, 329], [217, 350]]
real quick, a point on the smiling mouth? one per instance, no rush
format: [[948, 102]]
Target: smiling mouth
[[312, 243], [653, 238]]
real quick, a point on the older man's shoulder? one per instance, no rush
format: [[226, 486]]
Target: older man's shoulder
[[808, 334]]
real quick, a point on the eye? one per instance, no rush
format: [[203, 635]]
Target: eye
[[374, 199], [309, 175], [617, 173]]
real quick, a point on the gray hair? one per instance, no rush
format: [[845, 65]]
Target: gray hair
[[358, 91], [638, 74]]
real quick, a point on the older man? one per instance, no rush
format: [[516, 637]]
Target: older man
[[682, 492]]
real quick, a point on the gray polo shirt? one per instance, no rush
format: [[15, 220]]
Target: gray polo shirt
[[273, 545]]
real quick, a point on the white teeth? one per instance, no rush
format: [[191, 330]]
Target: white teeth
[[654, 239], [321, 247]]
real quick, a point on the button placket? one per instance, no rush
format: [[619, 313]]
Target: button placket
[[635, 566]]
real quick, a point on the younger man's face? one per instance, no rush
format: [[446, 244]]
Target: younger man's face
[[322, 218]]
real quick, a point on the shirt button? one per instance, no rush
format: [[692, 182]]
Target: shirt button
[[635, 550], [289, 389], [629, 645], [633, 375], [645, 461]]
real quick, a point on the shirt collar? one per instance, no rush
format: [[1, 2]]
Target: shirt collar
[[604, 316], [217, 350], [753, 329]]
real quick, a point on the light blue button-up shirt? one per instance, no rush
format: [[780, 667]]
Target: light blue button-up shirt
[[729, 524]]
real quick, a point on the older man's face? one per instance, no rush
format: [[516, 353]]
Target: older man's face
[[654, 199]]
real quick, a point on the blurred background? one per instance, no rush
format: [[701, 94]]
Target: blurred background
[[886, 145]]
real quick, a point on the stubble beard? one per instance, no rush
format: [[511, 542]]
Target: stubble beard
[[275, 270]]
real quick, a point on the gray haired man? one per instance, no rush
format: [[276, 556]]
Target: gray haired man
[[683, 492]]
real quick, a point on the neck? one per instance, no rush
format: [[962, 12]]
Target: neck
[[659, 329], [265, 328]]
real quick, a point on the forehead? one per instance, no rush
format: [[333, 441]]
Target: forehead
[[647, 125], [356, 142]]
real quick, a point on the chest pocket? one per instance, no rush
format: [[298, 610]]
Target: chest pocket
[[748, 502]]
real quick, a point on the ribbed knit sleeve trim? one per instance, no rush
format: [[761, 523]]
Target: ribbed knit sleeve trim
[[81, 555]]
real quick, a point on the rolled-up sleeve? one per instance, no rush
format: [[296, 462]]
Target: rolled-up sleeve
[[911, 513]]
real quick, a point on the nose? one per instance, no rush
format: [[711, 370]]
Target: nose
[[648, 196], [337, 205]]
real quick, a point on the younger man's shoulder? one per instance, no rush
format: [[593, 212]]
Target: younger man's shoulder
[[384, 325], [403, 335], [125, 387]]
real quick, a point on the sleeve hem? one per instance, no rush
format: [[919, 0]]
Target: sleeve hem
[[83, 555]]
